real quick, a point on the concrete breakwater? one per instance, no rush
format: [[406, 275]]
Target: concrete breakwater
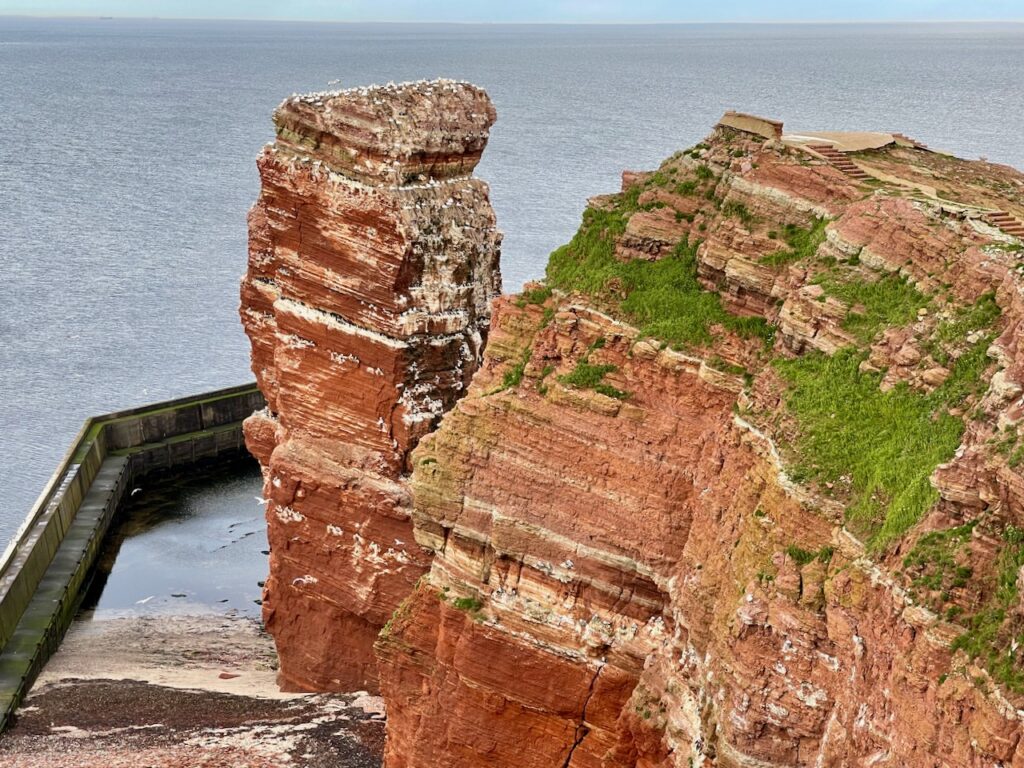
[[44, 569]]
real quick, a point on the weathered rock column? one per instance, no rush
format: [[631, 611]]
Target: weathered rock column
[[373, 257]]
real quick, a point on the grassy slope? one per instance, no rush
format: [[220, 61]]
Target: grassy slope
[[879, 447], [662, 298]]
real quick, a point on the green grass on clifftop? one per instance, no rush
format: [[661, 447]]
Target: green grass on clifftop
[[887, 302], [880, 446], [663, 298], [802, 243], [874, 450]]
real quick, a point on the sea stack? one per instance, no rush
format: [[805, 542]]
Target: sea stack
[[373, 259]]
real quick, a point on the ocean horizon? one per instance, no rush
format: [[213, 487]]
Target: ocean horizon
[[129, 166]]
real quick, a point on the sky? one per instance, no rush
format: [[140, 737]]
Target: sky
[[562, 11]]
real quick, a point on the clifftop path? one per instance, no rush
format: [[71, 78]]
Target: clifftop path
[[740, 484]]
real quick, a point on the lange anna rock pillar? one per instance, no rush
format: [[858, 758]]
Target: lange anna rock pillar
[[373, 258]]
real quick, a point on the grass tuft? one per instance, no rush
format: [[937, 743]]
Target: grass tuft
[[966, 320], [889, 301], [704, 173], [988, 637], [468, 604], [738, 210], [802, 556], [587, 375], [802, 243], [934, 567], [663, 298], [514, 376], [534, 296]]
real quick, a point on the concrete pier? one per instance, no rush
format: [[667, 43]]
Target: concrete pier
[[44, 569]]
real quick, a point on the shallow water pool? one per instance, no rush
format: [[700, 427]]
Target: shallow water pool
[[185, 543]]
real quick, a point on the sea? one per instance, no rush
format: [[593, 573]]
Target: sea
[[127, 164]]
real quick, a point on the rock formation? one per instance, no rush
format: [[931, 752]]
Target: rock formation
[[738, 485], [373, 258]]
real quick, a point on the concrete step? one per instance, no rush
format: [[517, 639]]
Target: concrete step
[[839, 161], [917, 144], [1007, 222]]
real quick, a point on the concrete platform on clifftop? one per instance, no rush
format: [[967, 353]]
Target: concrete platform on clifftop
[[744, 121], [841, 141], [849, 141], [837, 148]]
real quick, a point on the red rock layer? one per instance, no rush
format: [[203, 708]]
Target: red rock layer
[[628, 578], [373, 257], [612, 586], [555, 520]]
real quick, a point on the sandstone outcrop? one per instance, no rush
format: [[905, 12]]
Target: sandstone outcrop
[[661, 534], [740, 484], [373, 258]]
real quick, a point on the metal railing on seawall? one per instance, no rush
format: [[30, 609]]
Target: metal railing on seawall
[[46, 565]]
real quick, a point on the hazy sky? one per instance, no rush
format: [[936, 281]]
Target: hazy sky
[[533, 10]]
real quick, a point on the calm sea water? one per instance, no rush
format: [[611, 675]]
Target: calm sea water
[[127, 149]]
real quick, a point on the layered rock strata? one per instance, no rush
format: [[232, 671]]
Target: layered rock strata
[[373, 258], [740, 485], [674, 522]]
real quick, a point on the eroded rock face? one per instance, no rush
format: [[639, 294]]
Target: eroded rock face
[[637, 564], [630, 543], [373, 258], [556, 520]]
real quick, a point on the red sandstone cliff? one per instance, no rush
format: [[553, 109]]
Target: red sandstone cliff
[[740, 486], [373, 258]]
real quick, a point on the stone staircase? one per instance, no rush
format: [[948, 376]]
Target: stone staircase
[[1007, 222], [839, 161], [912, 142]]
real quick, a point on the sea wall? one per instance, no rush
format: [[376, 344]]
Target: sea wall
[[48, 563]]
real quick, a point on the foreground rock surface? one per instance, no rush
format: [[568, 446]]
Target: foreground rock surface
[[373, 258]]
